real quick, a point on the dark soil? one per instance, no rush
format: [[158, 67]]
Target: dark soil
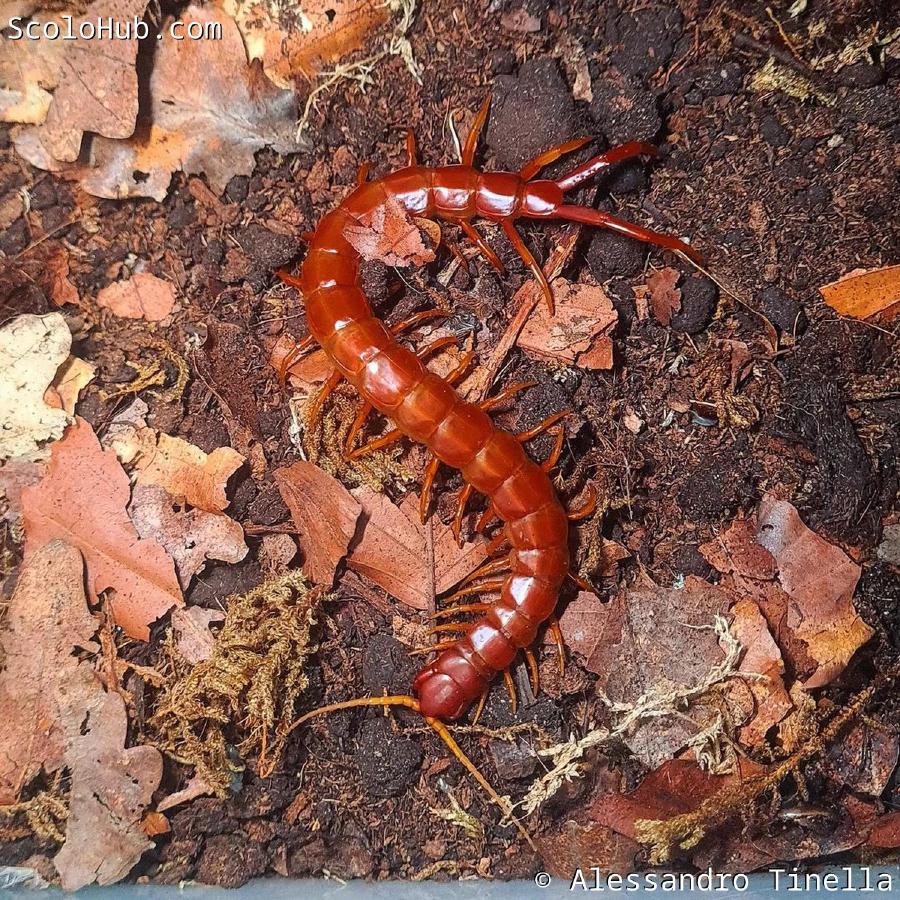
[[781, 195]]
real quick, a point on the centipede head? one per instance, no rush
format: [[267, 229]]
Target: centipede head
[[439, 695]]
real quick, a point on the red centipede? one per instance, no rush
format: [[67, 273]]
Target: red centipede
[[427, 409]]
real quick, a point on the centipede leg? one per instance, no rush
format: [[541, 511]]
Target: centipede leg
[[485, 587], [427, 483], [511, 689], [506, 394], [586, 509], [434, 648], [441, 730], [532, 264], [478, 709], [461, 610], [292, 356], [315, 408], [541, 427], [462, 500], [533, 166], [468, 155], [362, 173], [411, 153], [491, 567], [553, 458], [485, 248], [588, 216], [487, 518], [533, 671], [556, 632], [447, 628]]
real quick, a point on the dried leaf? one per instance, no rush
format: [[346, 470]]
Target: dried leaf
[[769, 701], [196, 787], [32, 348], [388, 234], [276, 552], [184, 471], [193, 638], [864, 759], [29, 71], [393, 551], [820, 580], [584, 312], [143, 296], [865, 293], [96, 83], [15, 476], [663, 297], [44, 687], [111, 788], [209, 113], [885, 833], [191, 537], [678, 786], [307, 373], [292, 41], [82, 499], [71, 378], [324, 513], [55, 274], [651, 639]]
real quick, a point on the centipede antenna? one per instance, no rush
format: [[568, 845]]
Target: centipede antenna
[[586, 171], [441, 730], [587, 216]]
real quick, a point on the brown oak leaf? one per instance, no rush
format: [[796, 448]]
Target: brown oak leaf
[[208, 111], [293, 43], [44, 687], [191, 536], [111, 788], [820, 580], [194, 640], [82, 500], [184, 471], [324, 513], [584, 316], [393, 551]]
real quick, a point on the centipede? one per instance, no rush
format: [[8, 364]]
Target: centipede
[[530, 554]]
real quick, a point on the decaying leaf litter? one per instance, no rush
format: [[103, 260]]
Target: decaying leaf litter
[[741, 434]]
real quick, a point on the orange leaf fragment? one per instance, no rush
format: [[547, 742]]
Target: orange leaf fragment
[[663, 296], [388, 234], [584, 314], [143, 296], [325, 514], [294, 42], [185, 471], [82, 500], [865, 293]]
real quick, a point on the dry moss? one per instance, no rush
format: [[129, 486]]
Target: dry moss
[[239, 703]]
